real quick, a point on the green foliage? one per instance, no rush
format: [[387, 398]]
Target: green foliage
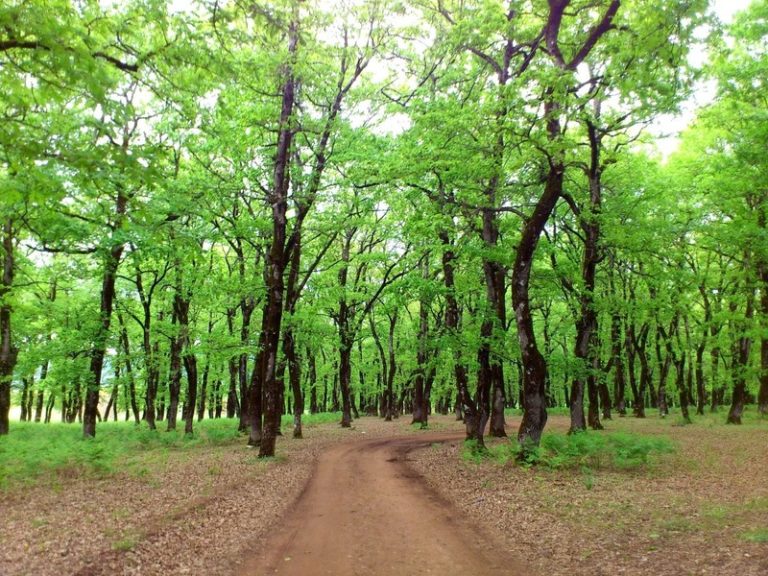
[[585, 451], [471, 451], [34, 452], [759, 536], [617, 450]]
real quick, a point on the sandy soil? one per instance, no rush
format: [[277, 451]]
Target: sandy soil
[[365, 512]]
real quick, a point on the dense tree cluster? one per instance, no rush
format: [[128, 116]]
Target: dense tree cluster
[[245, 208]]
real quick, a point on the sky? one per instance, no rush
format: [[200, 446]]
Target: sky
[[668, 127]]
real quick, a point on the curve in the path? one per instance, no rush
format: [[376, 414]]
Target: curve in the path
[[366, 513]]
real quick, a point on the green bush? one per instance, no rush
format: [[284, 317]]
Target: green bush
[[593, 450], [580, 451]]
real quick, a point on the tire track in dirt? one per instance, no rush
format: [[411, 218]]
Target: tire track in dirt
[[365, 512]]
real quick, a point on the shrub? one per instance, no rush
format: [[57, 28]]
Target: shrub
[[600, 450]]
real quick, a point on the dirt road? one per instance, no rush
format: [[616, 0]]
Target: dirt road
[[364, 512]]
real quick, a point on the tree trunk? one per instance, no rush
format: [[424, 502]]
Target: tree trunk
[[392, 368], [682, 388], [534, 365], [181, 354], [663, 364], [586, 324], [174, 377], [111, 264], [420, 411], [204, 391], [113, 396], [345, 336], [25, 393], [762, 396], [40, 392], [233, 405], [714, 358], [131, 390], [275, 260], [740, 366], [313, 406], [701, 394], [491, 377], [466, 408], [637, 349], [345, 375], [246, 411], [206, 371], [8, 352]]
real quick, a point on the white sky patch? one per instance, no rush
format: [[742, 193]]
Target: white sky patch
[[667, 127]]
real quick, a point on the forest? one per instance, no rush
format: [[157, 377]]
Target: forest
[[242, 210], [521, 245]]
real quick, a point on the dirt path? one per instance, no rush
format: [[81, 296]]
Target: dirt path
[[365, 512]]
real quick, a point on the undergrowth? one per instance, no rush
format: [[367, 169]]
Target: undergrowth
[[584, 450], [35, 451]]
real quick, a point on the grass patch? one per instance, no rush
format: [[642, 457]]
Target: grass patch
[[34, 452], [617, 450], [585, 451], [759, 536], [127, 542]]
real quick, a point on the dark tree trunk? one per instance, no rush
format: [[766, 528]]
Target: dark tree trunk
[[345, 336], [586, 324], [203, 391], [534, 365], [49, 407], [491, 373], [206, 371], [701, 394], [111, 264], [636, 348], [420, 411], [619, 384], [131, 389], [182, 354], [664, 364], [717, 387], [150, 353], [345, 375], [742, 348], [8, 352], [218, 395], [762, 396], [113, 396], [275, 260], [190, 367], [40, 392], [313, 407], [535, 372], [593, 391], [382, 377], [392, 368], [466, 408], [25, 393], [174, 377], [233, 405], [682, 388], [245, 409]]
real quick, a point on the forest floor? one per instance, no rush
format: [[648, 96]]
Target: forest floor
[[384, 498]]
